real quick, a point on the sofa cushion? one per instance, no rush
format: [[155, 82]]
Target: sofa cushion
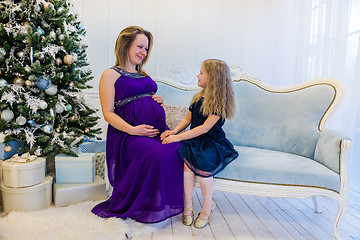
[[274, 167], [174, 114]]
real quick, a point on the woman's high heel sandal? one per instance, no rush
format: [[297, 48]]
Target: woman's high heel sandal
[[200, 223], [188, 219]]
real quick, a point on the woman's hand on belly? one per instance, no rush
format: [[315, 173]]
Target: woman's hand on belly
[[158, 99], [144, 130]]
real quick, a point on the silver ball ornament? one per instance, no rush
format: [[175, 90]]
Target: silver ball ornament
[[21, 120], [59, 108], [7, 115], [48, 129], [52, 90], [38, 151], [43, 104]]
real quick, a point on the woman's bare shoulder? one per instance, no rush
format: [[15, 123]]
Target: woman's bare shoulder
[[110, 75]]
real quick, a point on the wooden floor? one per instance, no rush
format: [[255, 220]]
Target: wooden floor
[[248, 217]]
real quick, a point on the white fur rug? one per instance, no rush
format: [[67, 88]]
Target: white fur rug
[[71, 222]]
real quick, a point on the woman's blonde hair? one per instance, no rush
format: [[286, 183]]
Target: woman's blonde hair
[[218, 94], [123, 43]]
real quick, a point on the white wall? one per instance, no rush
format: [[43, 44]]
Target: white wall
[[186, 32]]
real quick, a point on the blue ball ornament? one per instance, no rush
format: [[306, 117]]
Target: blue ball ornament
[[40, 31], [43, 82], [3, 83], [68, 107]]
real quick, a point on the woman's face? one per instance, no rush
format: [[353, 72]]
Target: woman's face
[[203, 78], [138, 50]]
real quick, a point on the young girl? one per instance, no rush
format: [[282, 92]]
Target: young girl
[[205, 149]]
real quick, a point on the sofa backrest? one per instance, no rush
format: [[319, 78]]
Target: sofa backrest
[[283, 119]]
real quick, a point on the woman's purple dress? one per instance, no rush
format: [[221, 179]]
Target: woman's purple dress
[[147, 176]]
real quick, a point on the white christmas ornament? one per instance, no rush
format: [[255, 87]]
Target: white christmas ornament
[[59, 108], [48, 129], [21, 120], [7, 115], [52, 90], [43, 104]]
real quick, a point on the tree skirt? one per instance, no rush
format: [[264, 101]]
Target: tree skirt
[[71, 222]]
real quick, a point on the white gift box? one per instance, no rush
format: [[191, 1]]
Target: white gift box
[[27, 198], [15, 174], [67, 193], [71, 169]]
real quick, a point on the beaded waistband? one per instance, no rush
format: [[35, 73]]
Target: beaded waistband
[[122, 102]]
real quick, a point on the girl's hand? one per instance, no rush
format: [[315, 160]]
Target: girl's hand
[[158, 99], [145, 130], [171, 138], [166, 133]]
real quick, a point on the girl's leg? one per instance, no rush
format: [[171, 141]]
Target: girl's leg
[[189, 183], [206, 186]]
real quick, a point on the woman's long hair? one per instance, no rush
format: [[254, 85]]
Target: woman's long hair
[[218, 94], [123, 43]]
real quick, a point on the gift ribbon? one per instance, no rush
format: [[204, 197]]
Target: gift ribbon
[[26, 157]]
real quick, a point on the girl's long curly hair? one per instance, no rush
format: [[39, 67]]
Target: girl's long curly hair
[[218, 94], [123, 43]]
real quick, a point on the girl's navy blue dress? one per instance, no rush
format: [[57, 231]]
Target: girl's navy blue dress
[[209, 153]]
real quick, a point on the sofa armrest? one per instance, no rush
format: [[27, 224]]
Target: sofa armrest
[[329, 149]]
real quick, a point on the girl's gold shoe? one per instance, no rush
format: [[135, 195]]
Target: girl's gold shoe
[[200, 223], [188, 219]]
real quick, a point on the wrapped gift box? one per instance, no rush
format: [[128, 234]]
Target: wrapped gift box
[[101, 169], [92, 146], [27, 198], [79, 169], [15, 147], [65, 193], [100, 164], [15, 174]]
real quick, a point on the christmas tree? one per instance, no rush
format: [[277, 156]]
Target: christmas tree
[[43, 71]]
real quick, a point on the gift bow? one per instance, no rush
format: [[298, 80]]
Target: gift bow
[[26, 157]]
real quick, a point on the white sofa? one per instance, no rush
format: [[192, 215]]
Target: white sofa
[[284, 148]]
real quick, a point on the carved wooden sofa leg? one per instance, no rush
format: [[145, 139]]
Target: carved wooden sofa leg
[[316, 206]]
